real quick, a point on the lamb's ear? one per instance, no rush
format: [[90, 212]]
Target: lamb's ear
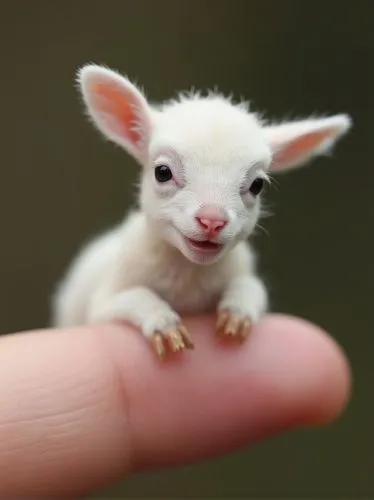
[[117, 108], [294, 143]]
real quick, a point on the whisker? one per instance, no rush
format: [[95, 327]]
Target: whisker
[[263, 229], [273, 181]]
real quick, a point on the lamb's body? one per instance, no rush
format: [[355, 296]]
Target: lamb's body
[[204, 163], [132, 255]]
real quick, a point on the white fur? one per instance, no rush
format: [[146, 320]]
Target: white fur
[[143, 271]]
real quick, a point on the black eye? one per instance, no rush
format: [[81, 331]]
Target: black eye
[[163, 173], [257, 186]]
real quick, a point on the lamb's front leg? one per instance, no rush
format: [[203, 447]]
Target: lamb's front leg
[[146, 310], [242, 304]]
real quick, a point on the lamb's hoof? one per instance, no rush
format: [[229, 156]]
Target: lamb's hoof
[[177, 340], [233, 326]]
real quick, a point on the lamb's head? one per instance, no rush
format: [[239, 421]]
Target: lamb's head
[[204, 159]]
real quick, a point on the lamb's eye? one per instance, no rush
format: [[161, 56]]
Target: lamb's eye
[[163, 173], [257, 186]]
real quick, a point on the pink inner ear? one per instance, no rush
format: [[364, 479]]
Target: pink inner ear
[[115, 103], [300, 147]]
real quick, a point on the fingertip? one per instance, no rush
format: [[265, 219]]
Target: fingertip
[[289, 373], [315, 373]]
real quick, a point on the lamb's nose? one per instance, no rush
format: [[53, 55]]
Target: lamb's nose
[[211, 226], [211, 219]]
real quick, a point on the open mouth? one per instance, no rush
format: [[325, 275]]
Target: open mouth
[[204, 247]]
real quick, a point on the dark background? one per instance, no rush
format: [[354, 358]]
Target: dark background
[[60, 183]]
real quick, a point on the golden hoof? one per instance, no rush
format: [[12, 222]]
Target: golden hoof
[[177, 340], [233, 326]]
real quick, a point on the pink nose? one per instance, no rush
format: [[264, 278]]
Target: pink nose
[[211, 226], [211, 220]]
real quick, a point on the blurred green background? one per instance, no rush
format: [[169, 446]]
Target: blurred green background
[[61, 183]]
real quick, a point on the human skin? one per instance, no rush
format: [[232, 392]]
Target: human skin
[[84, 407]]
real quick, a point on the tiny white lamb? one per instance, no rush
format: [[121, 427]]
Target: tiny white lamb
[[204, 161]]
